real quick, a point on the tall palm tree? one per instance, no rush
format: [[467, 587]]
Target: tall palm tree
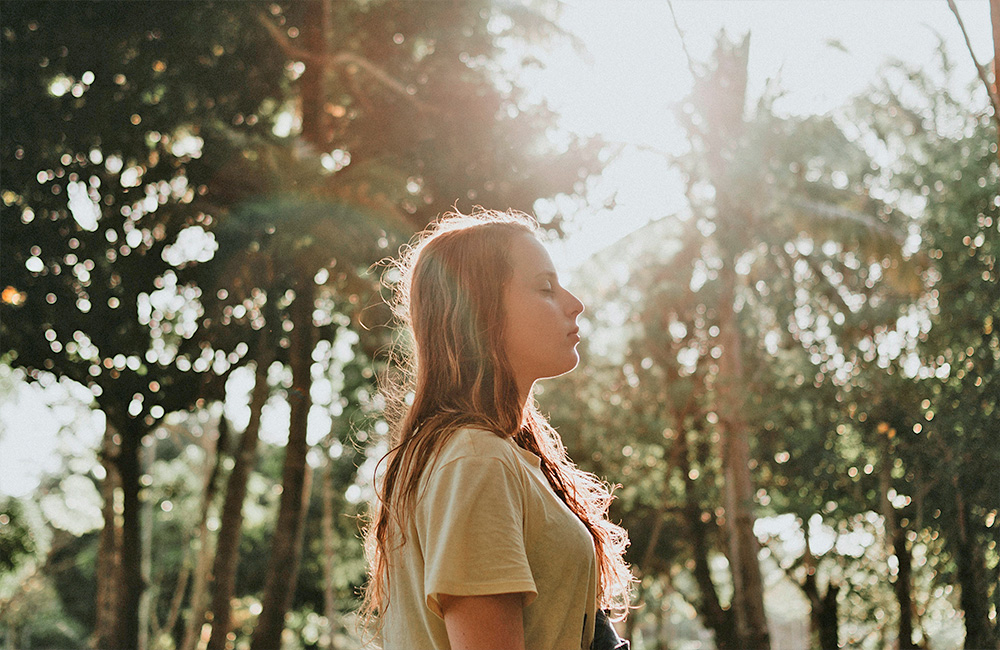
[[783, 202]]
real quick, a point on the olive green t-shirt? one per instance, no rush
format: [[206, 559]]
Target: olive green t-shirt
[[486, 521]]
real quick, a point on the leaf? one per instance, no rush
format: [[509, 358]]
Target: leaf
[[76, 507], [836, 44]]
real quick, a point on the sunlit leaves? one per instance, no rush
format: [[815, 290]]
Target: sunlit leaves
[[74, 507]]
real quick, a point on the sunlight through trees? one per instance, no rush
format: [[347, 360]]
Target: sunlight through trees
[[795, 378]]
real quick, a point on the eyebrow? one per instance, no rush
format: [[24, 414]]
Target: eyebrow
[[547, 273]]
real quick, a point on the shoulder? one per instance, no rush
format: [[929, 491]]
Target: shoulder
[[479, 444], [469, 463]]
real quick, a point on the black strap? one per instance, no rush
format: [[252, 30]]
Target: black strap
[[605, 635]]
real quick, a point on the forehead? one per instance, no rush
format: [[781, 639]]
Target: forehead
[[528, 257]]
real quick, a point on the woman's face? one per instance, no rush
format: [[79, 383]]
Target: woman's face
[[541, 332]]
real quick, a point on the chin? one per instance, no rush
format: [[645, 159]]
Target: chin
[[567, 367]]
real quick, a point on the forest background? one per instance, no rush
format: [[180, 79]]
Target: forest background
[[793, 374]]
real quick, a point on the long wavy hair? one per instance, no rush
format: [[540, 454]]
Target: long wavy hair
[[451, 373]]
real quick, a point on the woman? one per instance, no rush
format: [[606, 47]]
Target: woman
[[486, 534]]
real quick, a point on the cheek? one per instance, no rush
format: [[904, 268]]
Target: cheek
[[518, 325], [532, 319], [524, 330]]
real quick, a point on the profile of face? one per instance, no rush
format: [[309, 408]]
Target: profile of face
[[541, 333]]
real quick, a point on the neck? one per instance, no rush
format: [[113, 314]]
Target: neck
[[523, 395]]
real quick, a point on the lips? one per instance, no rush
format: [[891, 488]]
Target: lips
[[574, 334]]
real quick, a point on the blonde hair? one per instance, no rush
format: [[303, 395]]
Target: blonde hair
[[449, 300]]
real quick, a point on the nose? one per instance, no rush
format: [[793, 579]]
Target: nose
[[576, 307]]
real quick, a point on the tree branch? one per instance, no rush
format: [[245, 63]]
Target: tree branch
[[687, 55], [834, 294], [342, 60], [994, 100], [834, 212], [654, 539]]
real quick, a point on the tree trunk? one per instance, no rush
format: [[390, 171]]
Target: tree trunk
[[147, 608], [279, 587], [318, 30], [896, 536], [829, 621], [904, 590], [995, 20], [630, 627], [329, 547], [180, 588], [132, 584], [661, 619], [721, 96], [974, 596], [227, 553], [108, 570], [205, 553], [720, 621], [286, 551], [823, 620], [748, 591]]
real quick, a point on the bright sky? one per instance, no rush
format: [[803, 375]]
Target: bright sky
[[638, 71], [635, 73]]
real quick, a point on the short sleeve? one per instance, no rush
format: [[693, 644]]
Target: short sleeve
[[470, 523]]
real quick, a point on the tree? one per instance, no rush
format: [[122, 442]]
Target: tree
[[789, 243], [757, 188], [947, 160], [99, 121], [379, 180], [170, 135]]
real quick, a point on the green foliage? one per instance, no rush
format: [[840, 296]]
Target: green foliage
[[160, 200], [948, 165], [201, 191], [15, 536], [869, 351]]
